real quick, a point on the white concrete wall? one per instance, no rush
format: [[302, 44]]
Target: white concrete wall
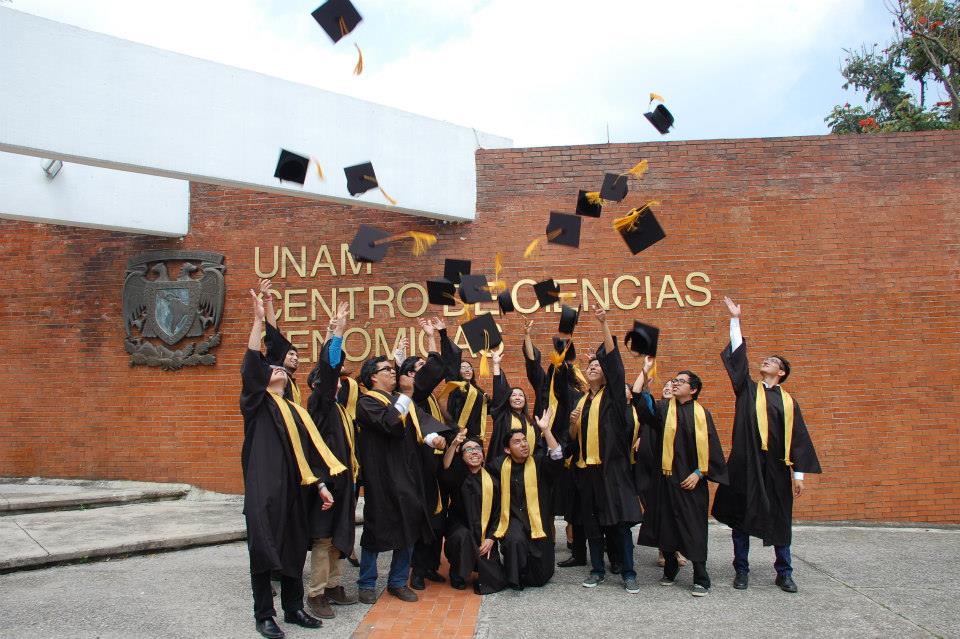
[[87, 98], [93, 197]]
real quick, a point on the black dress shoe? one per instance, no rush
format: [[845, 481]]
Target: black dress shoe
[[269, 629], [458, 583], [741, 581], [572, 561], [353, 561], [416, 582], [433, 575], [301, 618], [786, 584]]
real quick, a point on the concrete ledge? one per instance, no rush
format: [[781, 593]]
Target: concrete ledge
[[38, 495]]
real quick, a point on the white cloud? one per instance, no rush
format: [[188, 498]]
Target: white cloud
[[542, 72]]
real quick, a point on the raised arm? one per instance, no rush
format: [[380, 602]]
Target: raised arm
[[734, 356], [266, 291], [501, 387], [608, 342], [325, 375], [528, 350], [431, 333], [253, 342]]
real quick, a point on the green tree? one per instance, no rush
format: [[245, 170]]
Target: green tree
[[926, 49]]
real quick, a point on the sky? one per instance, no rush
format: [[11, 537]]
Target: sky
[[542, 73]]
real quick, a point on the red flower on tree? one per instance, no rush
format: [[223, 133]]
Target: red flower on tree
[[922, 20], [945, 103], [936, 24], [867, 123]]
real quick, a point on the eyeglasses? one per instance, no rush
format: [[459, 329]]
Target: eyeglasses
[[678, 381], [472, 449], [385, 368]]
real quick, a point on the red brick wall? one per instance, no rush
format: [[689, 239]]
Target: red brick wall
[[842, 250]]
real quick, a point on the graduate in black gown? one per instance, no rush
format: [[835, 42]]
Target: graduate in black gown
[[427, 374], [525, 527], [280, 352], [473, 517], [284, 459], [390, 442], [468, 405], [686, 452], [770, 453], [333, 530], [508, 408], [603, 425]]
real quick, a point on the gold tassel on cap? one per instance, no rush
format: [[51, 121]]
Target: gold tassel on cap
[[558, 358], [655, 96], [638, 169], [370, 178], [421, 241], [593, 197], [497, 285], [343, 27], [467, 315], [484, 372], [629, 221], [358, 69], [532, 246], [319, 169]]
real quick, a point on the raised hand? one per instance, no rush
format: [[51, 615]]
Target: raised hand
[[527, 325], [496, 358], [647, 365], [601, 315], [733, 308], [428, 327], [438, 323], [543, 422], [339, 321], [258, 312]]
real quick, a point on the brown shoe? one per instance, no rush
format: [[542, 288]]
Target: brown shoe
[[339, 597], [403, 593], [367, 596], [320, 607]]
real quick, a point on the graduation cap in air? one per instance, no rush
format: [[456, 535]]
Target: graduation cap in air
[[563, 348], [441, 292], [568, 227], [277, 346], [614, 187], [291, 167], [660, 118], [589, 203], [454, 269], [361, 178], [643, 339], [370, 243], [482, 333], [474, 289], [337, 17], [505, 302], [547, 292], [568, 319], [639, 228]]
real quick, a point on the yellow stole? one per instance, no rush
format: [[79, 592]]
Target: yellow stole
[[531, 493], [670, 434], [353, 393], [552, 401], [348, 432], [486, 500], [295, 392], [306, 474], [415, 420], [592, 445], [636, 433], [762, 418], [472, 395], [517, 424]]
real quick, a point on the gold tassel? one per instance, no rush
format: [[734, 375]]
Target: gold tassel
[[638, 169], [319, 169], [343, 26], [593, 197], [370, 178], [421, 241], [566, 296], [497, 285], [655, 96], [467, 315], [532, 246], [653, 371], [629, 221], [484, 372], [358, 69], [558, 358]]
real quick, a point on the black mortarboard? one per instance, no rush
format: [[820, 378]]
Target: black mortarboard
[[660, 118], [362, 247], [441, 292], [291, 167], [474, 289], [277, 346], [568, 319], [559, 344], [548, 292], [453, 269], [474, 332], [643, 339], [569, 227], [586, 207], [360, 178], [643, 233], [614, 187], [505, 302], [337, 17]]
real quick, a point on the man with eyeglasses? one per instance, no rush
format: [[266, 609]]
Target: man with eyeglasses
[[770, 453], [473, 516], [684, 451], [395, 513]]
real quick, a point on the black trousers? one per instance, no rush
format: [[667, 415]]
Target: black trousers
[[291, 594], [671, 567], [426, 557]]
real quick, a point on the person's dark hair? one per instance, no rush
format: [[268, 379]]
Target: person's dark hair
[[509, 436], [696, 384], [369, 368], [785, 366], [473, 379], [409, 365], [292, 348], [471, 438], [525, 404]]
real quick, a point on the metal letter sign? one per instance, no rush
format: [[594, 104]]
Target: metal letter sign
[[156, 306]]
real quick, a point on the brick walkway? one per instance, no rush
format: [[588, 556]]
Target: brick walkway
[[441, 612]]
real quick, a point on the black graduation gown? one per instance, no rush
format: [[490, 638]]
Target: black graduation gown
[[465, 530], [759, 498], [394, 513], [526, 561], [456, 402], [607, 493], [337, 522], [424, 382], [503, 422], [274, 502], [676, 519], [643, 465]]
